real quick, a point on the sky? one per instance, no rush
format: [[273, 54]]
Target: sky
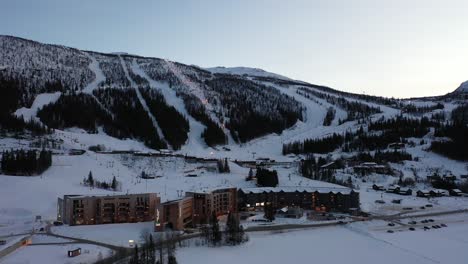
[[397, 48]]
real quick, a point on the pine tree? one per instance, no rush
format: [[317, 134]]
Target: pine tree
[[152, 248], [90, 179], [114, 184], [215, 232], [269, 211], [171, 260], [226, 165]]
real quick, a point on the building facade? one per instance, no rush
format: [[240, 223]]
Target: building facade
[[107, 209], [318, 199], [220, 202], [175, 215]]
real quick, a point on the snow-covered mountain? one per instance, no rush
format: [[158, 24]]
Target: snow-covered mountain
[[246, 71], [463, 88], [166, 104]]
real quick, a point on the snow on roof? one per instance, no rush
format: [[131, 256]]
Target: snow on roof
[[342, 190], [456, 190], [77, 196]]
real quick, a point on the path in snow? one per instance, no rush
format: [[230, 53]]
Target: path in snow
[[143, 102], [198, 92], [195, 142], [40, 101], [99, 77]]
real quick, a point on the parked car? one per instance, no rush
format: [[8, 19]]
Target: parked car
[[58, 223], [412, 222], [391, 224], [443, 225], [412, 229], [390, 231], [426, 228]]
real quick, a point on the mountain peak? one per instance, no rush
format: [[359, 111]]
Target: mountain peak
[[246, 71], [463, 88]]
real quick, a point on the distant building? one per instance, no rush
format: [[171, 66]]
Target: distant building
[[423, 193], [106, 209], [378, 187], [290, 212], [371, 167], [310, 198], [455, 192]]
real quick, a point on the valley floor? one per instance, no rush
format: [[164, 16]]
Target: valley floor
[[360, 242]]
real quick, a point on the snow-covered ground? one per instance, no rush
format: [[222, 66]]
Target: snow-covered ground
[[114, 234], [56, 254], [352, 243]]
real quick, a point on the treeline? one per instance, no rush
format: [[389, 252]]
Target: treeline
[[403, 126], [233, 233], [75, 110], [253, 110], [266, 178], [460, 114], [223, 166], [93, 183], [329, 116], [25, 162], [14, 95], [383, 156], [457, 144], [173, 124], [130, 119], [322, 145], [413, 109], [213, 134], [379, 135], [313, 168], [354, 110]]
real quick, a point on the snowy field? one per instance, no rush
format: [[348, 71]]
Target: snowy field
[[55, 254], [354, 243], [114, 234]]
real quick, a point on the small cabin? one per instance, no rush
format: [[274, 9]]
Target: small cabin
[[423, 193], [455, 192], [378, 187], [74, 253], [405, 191], [393, 189]]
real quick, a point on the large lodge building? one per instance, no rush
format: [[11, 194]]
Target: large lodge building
[[196, 208]]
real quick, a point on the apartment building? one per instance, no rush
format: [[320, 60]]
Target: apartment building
[[219, 201], [175, 215], [107, 209]]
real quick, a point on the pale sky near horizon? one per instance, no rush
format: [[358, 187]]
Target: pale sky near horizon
[[390, 48]]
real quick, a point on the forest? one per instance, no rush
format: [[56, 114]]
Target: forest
[[25, 162]]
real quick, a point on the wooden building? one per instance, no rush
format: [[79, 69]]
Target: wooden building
[[318, 199]]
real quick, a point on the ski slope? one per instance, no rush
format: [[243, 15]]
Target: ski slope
[[143, 102], [40, 101], [195, 143]]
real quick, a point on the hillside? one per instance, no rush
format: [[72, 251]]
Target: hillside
[[120, 116]]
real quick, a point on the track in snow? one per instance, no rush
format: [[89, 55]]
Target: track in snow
[[143, 102], [194, 142]]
